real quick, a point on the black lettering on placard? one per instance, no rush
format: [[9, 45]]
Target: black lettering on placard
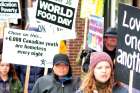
[[55, 13], [55, 44]]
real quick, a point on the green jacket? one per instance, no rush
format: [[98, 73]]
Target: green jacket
[[15, 86]]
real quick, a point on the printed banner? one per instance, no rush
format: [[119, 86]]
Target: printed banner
[[28, 48], [95, 33], [61, 13], [45, 26], [10, 9]]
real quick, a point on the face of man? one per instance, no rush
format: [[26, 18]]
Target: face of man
[[110, 42], [61, 69]]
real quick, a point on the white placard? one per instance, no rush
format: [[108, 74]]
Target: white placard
[[28, 48], [58, 16]]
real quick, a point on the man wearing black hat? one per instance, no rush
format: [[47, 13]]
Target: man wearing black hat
[[60, 81], [110, 42]]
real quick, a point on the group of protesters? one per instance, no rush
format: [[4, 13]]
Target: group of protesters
[[98, 76]]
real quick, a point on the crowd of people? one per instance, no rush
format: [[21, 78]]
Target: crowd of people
[[98, 68]]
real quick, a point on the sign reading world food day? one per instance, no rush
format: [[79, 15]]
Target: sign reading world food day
[[10, 9], [61, 13], [128, 49], [95, 33], [28, 48]]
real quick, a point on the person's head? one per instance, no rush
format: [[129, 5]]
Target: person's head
[[61, 65], [100, 71], [101, 65], [7, 69], [110, 38]]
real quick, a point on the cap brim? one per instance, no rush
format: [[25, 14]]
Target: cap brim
[[111, 35], [58, 62]]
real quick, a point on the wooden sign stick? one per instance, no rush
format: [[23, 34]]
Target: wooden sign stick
[[26, 83], [85, 29], [27, 79], [46, 71], [131, 81]]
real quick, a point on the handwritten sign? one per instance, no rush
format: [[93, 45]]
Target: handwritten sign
[[128, 49]]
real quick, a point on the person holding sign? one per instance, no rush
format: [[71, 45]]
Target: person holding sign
[[9, 82], [100, 76], [60, 81]]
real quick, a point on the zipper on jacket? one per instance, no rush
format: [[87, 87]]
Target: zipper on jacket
[[62, 85]]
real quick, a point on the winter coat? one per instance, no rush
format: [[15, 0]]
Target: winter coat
[[112, 54], [15, 86], [35, 73], [48, 84], [116, 89], [119, 89]]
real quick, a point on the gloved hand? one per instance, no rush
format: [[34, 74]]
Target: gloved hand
[[85, 52]]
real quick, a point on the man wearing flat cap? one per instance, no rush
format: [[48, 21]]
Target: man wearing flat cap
[[110, 42]]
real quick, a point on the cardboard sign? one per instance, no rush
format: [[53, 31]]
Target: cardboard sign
[[10, 9], [128, 49], [28, 48]]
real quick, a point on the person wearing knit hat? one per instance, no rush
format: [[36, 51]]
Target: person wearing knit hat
[[60, 81], [100, 76], [97, 57]]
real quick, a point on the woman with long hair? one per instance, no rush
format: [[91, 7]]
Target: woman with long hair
[[100, 76], [9, 82]]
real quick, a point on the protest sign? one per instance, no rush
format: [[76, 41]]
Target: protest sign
[[58, 17], [10, 9], [95, 33], [43, 26], [57, 13], [128, 49], [28, 48], [90, 7]]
